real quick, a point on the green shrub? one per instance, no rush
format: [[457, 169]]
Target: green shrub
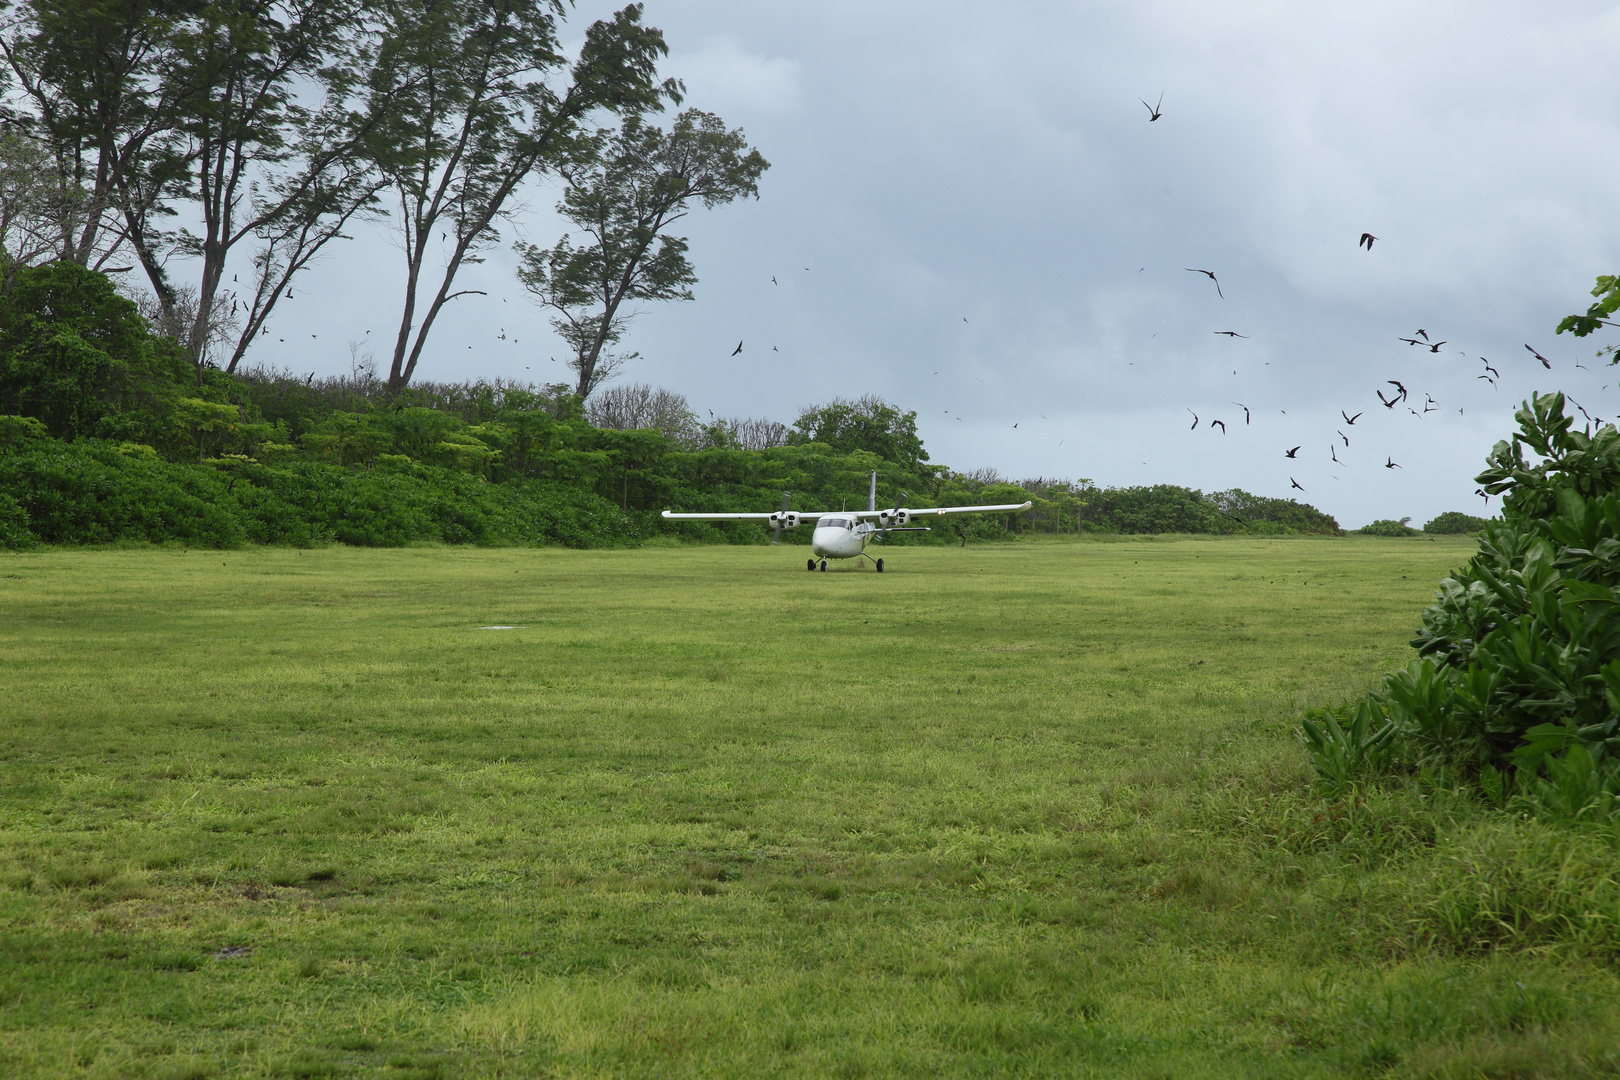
[[96, 492], [14, 532], [78, 357], [1516, 688], [1387, 528], [1453, 523]]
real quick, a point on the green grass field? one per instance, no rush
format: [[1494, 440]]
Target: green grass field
[[1027, 809]]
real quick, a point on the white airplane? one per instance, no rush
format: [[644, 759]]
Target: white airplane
[[844, 534]]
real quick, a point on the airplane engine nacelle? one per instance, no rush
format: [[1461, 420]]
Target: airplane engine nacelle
[[788, 519], [894, 518]]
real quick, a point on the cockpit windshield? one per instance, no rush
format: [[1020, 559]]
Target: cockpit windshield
[[833, 523]]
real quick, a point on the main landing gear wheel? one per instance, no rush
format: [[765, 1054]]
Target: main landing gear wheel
[[809, 564], [823, 566], [880, 566]]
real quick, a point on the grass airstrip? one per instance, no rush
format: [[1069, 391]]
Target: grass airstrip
[[1022, 809]]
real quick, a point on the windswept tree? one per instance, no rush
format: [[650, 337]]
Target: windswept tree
[[148, 106], [92, 89], [37, 210], [630, 186], [263, 166], [478, 103]]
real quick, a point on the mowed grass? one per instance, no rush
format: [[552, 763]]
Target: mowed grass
[[1029, 809]]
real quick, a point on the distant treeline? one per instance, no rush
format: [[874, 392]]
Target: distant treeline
[[108, 432]]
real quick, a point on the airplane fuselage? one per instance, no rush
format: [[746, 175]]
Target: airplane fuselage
[[839, 537]]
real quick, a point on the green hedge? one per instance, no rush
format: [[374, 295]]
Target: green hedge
[[96, 492]]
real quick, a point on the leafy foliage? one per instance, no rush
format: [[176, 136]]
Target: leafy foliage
[[1518, 663], [1607, 291], [1454, 523], [1387, 528], [78, 357], [866, 423]]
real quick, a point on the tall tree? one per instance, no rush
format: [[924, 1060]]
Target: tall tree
[[93, 88], [263, 165], [152, 105], [629, 186], [475, 111]]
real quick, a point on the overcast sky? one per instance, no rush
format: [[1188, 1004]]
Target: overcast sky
[[969, 213]]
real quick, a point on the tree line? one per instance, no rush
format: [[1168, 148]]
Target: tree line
[[111, 432], [238, 140]]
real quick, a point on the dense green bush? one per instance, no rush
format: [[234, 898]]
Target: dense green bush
[[78, 357], [1516, 688], [1453, 523], [1387, 528], [14, 532], [96, 492]]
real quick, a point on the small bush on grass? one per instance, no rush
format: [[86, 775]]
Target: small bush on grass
[[1387, 528], [1452, 523]]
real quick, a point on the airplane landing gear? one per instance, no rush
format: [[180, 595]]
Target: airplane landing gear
[[880, 566], [823, 566], [810, 564]]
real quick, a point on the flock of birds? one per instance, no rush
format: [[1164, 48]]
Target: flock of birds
[[1399, 396]]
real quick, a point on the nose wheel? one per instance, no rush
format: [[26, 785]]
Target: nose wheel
[[823, 566]]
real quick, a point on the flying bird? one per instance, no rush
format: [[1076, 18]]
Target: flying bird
[[1422, 333], [737, 350], [1396, 383], [1343, 436], [1433, 347], [1334, 454], [1211, 275], [1544, 361], [1488, 379], [1295, 483], [1195, 421], [1153, 110], [1366, 240], [1212, 423], [1245, 409], [1350, 421], [1291, 453], [1231, 333], [773, 279], [1389, 463], [1389, 403], [1488, 367]]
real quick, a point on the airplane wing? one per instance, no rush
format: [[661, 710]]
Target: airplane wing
[[746, 517], [864, 515], [940, 511]]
